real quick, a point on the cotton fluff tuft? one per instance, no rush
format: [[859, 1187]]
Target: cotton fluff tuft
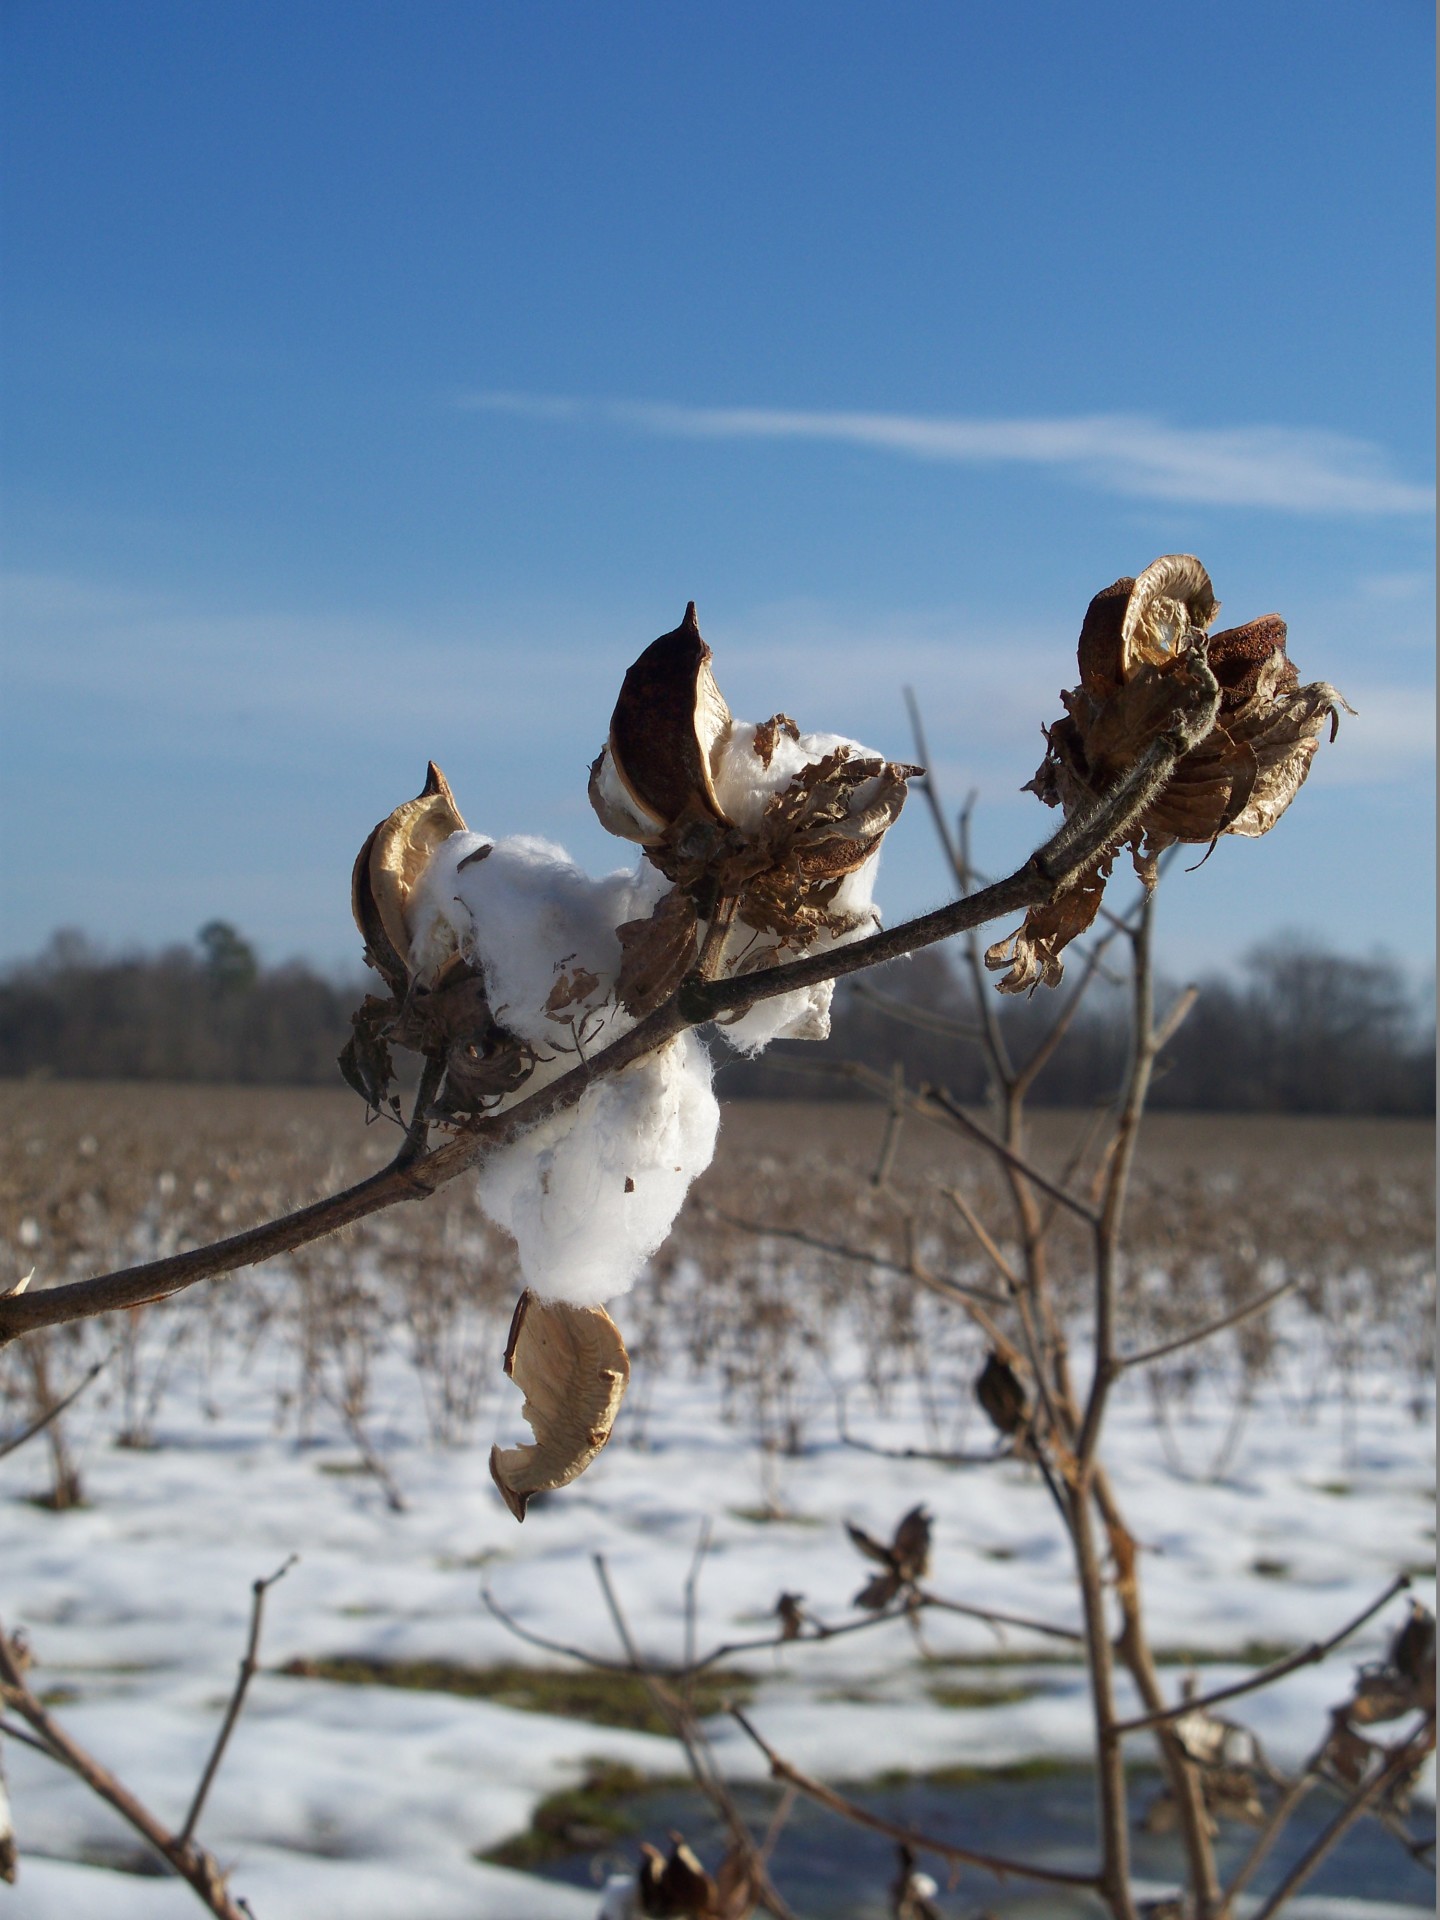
[[744, 786], [590, 1193]]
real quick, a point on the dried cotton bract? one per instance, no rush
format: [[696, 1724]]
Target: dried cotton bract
[[1142, 644], [769, 837]]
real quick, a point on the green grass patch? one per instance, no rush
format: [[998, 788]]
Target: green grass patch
[[592, 1694], [577, 1820], [1271, 1569], [1253, 1653], [950, 1694], [773, 1517]]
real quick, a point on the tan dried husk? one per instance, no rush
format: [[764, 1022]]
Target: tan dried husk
[[388, 869], [570, 1362], [668, 724], [1136, 649], [446, 1018]]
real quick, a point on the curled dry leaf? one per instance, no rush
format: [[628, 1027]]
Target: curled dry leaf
[[1142, 644], [570, 1363], [1001, 1395], [656, 954]]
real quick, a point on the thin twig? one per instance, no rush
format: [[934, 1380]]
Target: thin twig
[[1401, 1761], [977, 1226], [894, 1121], [1306, 1657], [52, 1412], [766, 1230], [248, 1664], [692, 1590], [909, 1014], [782, 1770], [1211, 1327], [999, 1619], [687, 1730], [943, 1103]]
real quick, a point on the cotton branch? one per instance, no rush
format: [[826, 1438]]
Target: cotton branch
[[1053, 868], [237, 1699]]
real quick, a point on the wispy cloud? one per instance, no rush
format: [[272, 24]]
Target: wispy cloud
[[1288, 469]]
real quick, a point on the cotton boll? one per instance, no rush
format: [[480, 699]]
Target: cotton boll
[[805, 1014], [590, 1193], [525, 913], [744, 783]]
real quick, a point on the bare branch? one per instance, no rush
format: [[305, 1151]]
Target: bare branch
[[237, 1699], [1306, 1657], [940, 1102], [190, 1860], [52, 1412], [911, 1015], [861, 1255], [994, 1618], [1401, 1760], [1211, 1327], [782, 1770]]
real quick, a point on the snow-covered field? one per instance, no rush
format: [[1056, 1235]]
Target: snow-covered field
[[371, 1802]]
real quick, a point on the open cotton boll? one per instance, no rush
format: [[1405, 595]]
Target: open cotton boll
[[805, 1015], [744, 785], [590, 1193], [522, 911]]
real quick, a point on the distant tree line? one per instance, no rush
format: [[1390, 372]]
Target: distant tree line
[[1300, 1030], [207, 1012]]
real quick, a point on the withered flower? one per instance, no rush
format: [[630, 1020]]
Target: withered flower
[[905, 1560], [1139, 647], [752, 825]]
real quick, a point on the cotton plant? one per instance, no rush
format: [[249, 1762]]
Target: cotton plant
[[506, 966]]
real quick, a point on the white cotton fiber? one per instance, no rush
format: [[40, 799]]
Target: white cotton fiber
[[528, 917], [591, 1193], [744, 785]]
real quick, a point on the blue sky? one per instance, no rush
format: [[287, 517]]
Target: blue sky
[[380, 379]]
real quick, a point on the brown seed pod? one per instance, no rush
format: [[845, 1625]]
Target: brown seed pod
[[668, 724], [389, 866], [570, 1362], [1144, 656]]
